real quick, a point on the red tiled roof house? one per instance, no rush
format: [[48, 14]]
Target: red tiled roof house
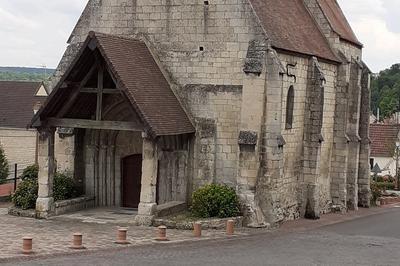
[[18, 102], [383, 147]]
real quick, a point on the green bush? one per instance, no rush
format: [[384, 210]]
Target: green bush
[[26, 194], [215, 201], [385, 185], [30, 172], [4, 170], [64, 186]]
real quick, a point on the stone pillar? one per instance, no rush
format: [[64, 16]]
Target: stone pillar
[[313, 138], [340, 143], [267, 210], [353, 123], [147, 205], [45, 201], [364, 190]]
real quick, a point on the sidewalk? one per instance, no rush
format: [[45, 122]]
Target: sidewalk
[[53, 237]]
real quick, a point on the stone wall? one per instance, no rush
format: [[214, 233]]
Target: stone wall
[[19, 146], [351, 119], [234, 86], [197, 43], [216, 110]]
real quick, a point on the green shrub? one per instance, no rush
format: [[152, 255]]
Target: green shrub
[[385, 185], [64, 186], [215, 201], [4, 170], [30, 172], [26, 194]]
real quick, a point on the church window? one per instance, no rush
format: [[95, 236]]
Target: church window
[[290, 108]]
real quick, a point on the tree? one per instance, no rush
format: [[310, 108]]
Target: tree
[[4, 170], [385, 91]]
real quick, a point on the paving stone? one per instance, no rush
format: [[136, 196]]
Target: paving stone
[[54, 236]]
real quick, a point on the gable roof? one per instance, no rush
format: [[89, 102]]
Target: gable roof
[[133, 64], [383, 139], [17, 99], [291, 27], [138, 75], [338, 20]]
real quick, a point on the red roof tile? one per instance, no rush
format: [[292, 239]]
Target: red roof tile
[[132, 62], [338, 20], [383, 139], [137, 74], [17, 99], [290, 27]]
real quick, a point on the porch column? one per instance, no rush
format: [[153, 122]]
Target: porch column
[[45, 201], [147, 205]]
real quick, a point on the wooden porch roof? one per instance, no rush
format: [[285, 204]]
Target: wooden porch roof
[[129, 68]]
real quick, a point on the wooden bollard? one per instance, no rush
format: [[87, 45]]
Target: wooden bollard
[[230, 227], [27, 245], [197, 229], [121, 236], [162, 233], [77, 241]]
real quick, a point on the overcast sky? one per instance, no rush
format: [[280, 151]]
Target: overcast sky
[[34, 32]]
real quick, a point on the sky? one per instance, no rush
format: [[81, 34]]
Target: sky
[[34, 32]]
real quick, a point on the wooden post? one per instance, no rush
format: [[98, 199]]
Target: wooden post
[[100, 87]]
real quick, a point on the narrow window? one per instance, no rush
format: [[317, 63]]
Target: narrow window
[[290, 108], [322, 105]]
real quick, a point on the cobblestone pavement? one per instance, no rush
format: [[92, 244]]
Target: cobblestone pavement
[[369, 239], [54, 236]]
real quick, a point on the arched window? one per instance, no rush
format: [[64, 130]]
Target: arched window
[[290, 108]]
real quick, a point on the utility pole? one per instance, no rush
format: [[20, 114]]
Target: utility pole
[[397, 182]]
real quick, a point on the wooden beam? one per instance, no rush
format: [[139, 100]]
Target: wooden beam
[[68, 104], [100, 87], [94, 124], [105, 91]]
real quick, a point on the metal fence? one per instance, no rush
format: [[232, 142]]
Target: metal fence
[[14, 175]]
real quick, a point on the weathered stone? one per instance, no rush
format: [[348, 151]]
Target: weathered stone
[[229, 78], [248, 138]]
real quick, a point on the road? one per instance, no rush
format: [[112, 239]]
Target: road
[[372, 240]]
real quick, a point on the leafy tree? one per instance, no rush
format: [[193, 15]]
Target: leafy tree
[[4, 170], [385, 91]]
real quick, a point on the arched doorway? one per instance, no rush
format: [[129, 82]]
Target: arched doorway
[[131, 180]]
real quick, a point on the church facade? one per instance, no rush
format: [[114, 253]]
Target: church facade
[[165, 96]]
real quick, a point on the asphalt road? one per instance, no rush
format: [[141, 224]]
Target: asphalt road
[[372, 240]]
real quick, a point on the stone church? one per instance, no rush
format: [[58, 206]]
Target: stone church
[[156, 98]]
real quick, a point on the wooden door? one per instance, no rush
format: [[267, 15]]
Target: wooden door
[[131, 180]]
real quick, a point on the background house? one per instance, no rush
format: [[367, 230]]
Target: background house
[[18, 102], [383, 147]]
